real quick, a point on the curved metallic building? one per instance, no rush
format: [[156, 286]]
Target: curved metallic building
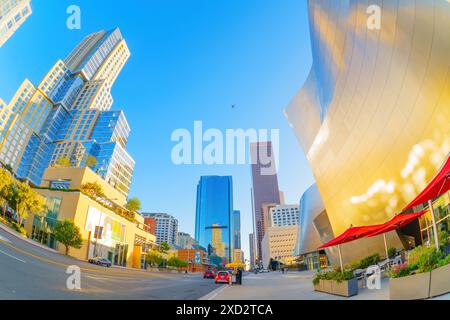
[[374, 114]]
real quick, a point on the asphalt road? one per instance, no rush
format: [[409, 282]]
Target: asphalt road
[[30, 272]]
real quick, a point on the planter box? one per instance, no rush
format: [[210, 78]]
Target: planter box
[[413, 287], [440, 281], [344, 288]]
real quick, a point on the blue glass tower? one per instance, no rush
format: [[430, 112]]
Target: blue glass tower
[[214, 217]]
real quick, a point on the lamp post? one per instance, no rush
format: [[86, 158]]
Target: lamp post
[[433, 219]]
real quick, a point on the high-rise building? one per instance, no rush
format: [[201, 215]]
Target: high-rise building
[[13, 14], [284, 215], [151, 224], [251, 246], [68, 116], [166, 227], [214, 217], [372, 117], [237, 229], [265, 186]]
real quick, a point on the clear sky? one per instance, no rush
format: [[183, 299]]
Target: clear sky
[[191, 60]]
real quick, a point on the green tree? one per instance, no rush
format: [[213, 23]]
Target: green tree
[[23, 200], [164, 247], [5, 181], [68, 234], [63, 162], [133, 204], [177, 263], [91, 161], [154, 258], [93, 190]]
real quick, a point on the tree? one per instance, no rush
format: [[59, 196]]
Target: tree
[[68, 234], [177, 263], [133, 204], [93, 190], [5, 181], [23, 200], [164, 247], [154, 258], [91, 162], [63, 162]]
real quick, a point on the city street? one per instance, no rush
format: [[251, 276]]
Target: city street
[[28, 271]]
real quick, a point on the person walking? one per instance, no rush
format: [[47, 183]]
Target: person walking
[[239, 277]]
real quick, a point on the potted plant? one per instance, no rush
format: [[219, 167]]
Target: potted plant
[[336, 282]]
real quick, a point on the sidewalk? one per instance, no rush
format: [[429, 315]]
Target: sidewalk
[[290, 286]]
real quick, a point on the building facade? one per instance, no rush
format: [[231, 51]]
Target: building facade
[[237, 229], [185, 241], [251, 246], [13, 14], [214, 217], [265, 186], [372, 117], [284, 215], [105, 233], [278, 245], [166, 227], [68, 116]]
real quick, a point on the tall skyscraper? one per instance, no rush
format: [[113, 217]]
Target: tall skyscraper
[[251, 241], [68, 115], [13, 14], [237, 229], [214, 221], [265, 186], [166, 227]]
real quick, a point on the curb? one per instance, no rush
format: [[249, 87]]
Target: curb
[[21, 237]]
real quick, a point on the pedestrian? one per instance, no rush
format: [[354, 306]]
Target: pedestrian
[[239, 277]]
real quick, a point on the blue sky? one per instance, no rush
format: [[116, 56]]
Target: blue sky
[[191, 60]]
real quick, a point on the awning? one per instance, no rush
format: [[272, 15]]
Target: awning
[[351, 234], [397, 222], [438, 186]]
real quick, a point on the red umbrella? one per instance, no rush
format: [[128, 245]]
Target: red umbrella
[[351, 234], [397, 222], [438, 186]]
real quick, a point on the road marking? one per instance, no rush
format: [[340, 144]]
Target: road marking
[[110, 272], [4, 239], [7, 254], [214, 293]]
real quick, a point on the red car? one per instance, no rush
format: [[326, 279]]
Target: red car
[[209, 274], [222, 277]]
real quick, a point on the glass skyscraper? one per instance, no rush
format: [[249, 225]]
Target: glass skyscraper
[[237, 229], [68, 115], [214, 217]]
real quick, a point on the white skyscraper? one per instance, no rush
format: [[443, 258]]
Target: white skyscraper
[[13, 14]]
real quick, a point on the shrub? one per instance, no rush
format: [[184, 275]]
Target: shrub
[[391, 253], [333, 275], [401, 270], [444, 261]]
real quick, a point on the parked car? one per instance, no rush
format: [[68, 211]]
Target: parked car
[[100, 261], [209, 274], [222, 277]]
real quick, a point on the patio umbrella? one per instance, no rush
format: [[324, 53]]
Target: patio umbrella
[[439, 185], [351, 234]]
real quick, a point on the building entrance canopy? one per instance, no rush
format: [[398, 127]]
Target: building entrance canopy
[[438, 186]]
